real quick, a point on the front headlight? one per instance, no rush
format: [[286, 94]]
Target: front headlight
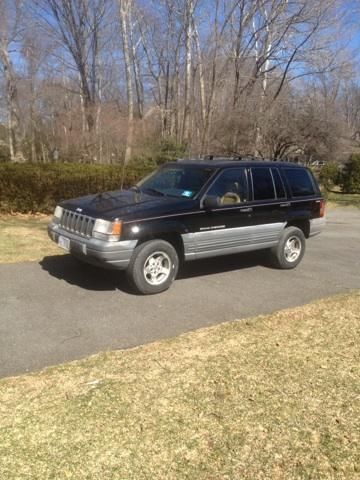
[[106, 230], [58, 214]]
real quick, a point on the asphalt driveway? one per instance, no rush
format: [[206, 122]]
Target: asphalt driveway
[[59, 310]]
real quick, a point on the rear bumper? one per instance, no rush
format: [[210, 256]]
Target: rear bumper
[[316, 226], [114, 255]]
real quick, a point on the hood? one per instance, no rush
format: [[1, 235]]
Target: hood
[[125, 204]]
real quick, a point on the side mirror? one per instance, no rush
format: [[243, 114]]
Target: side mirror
[[211, 202]]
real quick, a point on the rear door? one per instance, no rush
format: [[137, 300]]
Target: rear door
[[269, 203]]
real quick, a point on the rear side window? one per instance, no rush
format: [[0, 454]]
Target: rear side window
[[299, 181], [263, 184], [279, 186]]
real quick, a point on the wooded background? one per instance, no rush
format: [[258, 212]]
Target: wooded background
[[107, 81]]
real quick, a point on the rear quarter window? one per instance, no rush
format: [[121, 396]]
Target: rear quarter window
[[299, 181]]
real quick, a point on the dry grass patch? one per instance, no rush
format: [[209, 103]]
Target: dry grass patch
[[273, 397], [24, 238], [343, 200]]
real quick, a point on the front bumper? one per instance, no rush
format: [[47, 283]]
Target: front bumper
[[114, 255]]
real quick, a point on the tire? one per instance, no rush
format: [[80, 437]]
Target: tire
[[153, 267], [290, 250]]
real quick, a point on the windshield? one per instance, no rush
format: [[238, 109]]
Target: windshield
[[177, 181]]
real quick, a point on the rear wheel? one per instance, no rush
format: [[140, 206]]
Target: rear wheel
[[153, 267], [291, 248]]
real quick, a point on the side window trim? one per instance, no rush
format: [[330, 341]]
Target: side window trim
[[212, 181], [272, 169], [249, 188], [252, 184], [273, 182], [285, 183]]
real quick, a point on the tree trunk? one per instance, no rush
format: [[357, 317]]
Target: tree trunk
[[201, 78], [16, 154], [188, 69], [264, 72], [136, 69], [124, 8]]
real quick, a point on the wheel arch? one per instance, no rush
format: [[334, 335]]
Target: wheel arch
[[302, 223], [170, 233]]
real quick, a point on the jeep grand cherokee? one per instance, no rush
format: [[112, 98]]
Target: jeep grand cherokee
[[189, 210]]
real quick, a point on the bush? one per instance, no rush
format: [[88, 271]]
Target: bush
[[329, 175], [350, 179], [4, 153], [39, 187]]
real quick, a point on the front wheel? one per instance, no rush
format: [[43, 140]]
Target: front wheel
[[153, 267], [291, 248]]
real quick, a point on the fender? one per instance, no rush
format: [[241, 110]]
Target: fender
[[154, 229]]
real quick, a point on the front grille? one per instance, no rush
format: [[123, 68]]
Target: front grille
[[77, 223]]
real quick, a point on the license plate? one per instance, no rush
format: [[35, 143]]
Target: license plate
[[64, 243]]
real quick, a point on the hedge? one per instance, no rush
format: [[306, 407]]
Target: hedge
[[30, 187], [350, 178]]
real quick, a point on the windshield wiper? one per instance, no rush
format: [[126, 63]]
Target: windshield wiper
[[153, 190], [135, 188]]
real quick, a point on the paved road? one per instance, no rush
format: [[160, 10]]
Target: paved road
[[59, 310]]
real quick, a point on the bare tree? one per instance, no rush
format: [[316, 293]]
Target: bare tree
[[350, 105], [216, 76], [76, 25], [285, 35], [10, 17]]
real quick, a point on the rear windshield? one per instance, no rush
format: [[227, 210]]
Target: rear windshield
[[299, 181]]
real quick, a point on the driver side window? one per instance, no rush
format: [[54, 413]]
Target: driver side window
[[231, 187]]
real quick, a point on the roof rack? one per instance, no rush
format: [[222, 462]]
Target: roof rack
[[207, 158], [234, 158], [248, 157]]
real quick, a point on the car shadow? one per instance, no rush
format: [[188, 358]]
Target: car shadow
[[223, 264], [75, 272], [89, 277]]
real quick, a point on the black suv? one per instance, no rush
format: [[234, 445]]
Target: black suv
[[188, 210]]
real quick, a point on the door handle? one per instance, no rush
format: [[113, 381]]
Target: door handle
[[286, 204], [246, 210]]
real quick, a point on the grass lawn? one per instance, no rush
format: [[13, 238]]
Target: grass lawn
[[24, 238], [273, 397], [343, 199]]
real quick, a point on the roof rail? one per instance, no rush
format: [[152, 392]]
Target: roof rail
[[232, 158], [237, 157]]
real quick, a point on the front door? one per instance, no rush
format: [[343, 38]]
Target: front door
[[226, 226]]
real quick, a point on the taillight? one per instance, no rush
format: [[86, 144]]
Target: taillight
[[322, 208]]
